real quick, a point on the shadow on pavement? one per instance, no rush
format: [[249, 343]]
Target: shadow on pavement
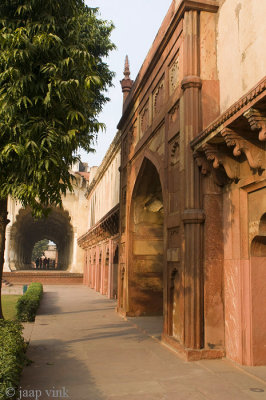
[[56, 374]]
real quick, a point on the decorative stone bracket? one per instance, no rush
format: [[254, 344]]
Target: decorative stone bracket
[[205, 166], [108, 226], [221, 158], [229, 142], [202, 162], [254, 154], [257, 121]]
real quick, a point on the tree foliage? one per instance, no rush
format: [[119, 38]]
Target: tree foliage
[[39, 248], [53, 82]]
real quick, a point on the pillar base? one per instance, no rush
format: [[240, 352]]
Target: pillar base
[[191, 354], [121, 312], [6, 268]]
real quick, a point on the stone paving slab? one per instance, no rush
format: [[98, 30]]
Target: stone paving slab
[[82, 349], [27, 330]]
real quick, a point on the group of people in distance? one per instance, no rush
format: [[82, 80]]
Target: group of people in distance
[[44, 263]]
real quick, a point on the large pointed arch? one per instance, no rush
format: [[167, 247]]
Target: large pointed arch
[[146, 243], [258, 294], [156, 160]]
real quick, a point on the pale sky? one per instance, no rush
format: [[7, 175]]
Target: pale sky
[[136, 25]]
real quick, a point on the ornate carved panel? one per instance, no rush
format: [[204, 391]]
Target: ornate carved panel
[[173, 121], [174, 75], [174, 150], [132, 137], [122, 253], [174, 114], [173, 251], [158, 97], [125, 150], [173, 237], [144, 119]]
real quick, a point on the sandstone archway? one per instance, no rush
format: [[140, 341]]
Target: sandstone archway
[[26, 231], [145, 272]]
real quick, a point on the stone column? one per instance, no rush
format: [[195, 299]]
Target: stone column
[[7, 250], [110, 269], [192, 216], [97, 270], [75, 245], [213, 263]]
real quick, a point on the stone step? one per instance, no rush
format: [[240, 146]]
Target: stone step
[[44, 277]]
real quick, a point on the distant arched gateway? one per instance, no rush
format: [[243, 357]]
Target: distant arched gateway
[[26, 231], [63, 226]]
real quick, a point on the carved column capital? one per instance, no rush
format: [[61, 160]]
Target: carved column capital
[[193, 216], [191, 81], [257, 122]]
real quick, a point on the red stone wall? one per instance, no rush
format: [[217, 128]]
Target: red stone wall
[[175, 95], [244, 274]]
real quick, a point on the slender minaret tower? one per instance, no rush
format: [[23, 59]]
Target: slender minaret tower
[[126, 83]]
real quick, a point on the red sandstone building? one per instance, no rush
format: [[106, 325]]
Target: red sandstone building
[[192, 236], [100, 242]]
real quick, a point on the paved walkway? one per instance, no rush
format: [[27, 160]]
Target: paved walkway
[[82, 349]]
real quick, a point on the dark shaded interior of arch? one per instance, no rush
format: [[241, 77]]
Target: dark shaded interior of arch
[[146, 264]]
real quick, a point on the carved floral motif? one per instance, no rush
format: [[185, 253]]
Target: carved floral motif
[[144, 119], [132, 137], [173, 237], [174, 75], [158, 98], [174, 150], [174, 114]]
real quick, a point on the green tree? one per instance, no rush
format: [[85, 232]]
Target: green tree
[[39, 248], [53, 83]]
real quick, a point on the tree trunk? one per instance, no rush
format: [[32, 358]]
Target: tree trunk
[[3, 223]]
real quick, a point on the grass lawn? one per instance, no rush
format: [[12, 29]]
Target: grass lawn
[[9, 302]]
